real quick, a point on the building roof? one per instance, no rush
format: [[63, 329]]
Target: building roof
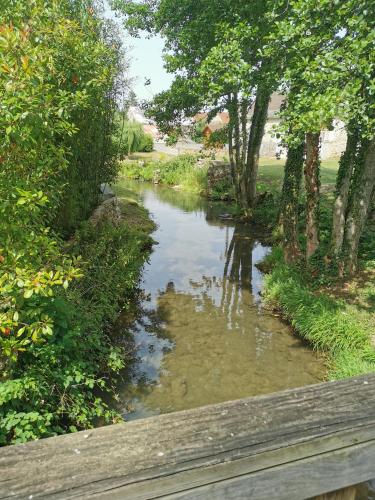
[[217, 123], [151, 130]]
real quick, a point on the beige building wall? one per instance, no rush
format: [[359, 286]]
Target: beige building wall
[[333, 142]]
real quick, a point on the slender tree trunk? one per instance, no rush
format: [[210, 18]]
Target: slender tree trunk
[[255, 140], [230, 143], [233, 137], [312, 185], [290, 200], [237, 130], [244, 110], [344, 177], [359, 207]]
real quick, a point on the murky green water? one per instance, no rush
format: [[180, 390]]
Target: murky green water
[[202, 335]]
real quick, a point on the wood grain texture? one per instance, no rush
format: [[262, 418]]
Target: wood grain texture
[[295, 444], [345, 494]]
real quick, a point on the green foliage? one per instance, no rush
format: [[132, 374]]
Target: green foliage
[[197, 134], [222, 190], [58, 79], [182, 171], [147, 144], [46, 98], [131, 138], [54, 386]]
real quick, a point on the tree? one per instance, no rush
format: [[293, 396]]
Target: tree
[[330, 61], [216, 50]]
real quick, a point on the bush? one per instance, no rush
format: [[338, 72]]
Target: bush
[[130, 137], [54, 387], [147, 144], [58, 77]]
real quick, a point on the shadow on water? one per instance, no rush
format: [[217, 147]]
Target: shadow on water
[[201, 334]]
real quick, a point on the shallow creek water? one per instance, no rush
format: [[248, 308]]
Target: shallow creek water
[[202, 335]]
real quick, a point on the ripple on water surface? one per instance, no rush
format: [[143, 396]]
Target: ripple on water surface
[[202, 335]]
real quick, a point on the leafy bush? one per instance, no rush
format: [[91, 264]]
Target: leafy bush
[[54, 386], [130, 137], [147, 144], [58, 77]]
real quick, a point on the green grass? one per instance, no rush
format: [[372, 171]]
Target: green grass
[[271, 172], [152, 156], [330, 324], [181, 171]]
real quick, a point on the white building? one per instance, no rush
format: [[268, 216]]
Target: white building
[[333, 142]]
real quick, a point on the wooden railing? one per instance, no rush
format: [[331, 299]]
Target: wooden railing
[[295, 444]]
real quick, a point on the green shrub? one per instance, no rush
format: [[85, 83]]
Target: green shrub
[[129, 137], [54, 386], [147, 144], [58, 77]]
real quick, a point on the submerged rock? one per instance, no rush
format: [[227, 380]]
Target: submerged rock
[[226, 216]]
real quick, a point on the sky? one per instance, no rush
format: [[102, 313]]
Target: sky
[[145, 60]]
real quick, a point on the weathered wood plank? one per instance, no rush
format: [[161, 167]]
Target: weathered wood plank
[[291, 445]]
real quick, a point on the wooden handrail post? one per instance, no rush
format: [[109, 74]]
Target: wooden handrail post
[[345, 494]]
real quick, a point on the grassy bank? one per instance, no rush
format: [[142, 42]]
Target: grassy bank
[[185, 172], [54, 386], [335, 317], [180, 171]]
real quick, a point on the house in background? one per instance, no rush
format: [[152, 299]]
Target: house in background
[[333, 141], [217, 123]]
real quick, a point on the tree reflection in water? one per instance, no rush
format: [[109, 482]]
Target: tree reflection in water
[[201, 335]]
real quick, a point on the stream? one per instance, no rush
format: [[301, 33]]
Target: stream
[[202, 335]]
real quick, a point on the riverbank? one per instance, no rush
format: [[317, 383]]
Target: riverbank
[[192, 173], [336, 318], [54, 387]]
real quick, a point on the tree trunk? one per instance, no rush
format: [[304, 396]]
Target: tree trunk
[[233, 133], [230, 143], [289, 203], [312, 193], [237, 130], [344, 177], [244, 112], [255, 140], [359, 207]]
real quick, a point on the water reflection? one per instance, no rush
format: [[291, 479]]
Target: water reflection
[[202, 336]]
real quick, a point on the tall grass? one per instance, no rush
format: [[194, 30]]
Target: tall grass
[[182, 171], [328, 324]]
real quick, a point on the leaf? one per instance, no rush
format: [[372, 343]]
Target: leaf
[[28, 293]]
